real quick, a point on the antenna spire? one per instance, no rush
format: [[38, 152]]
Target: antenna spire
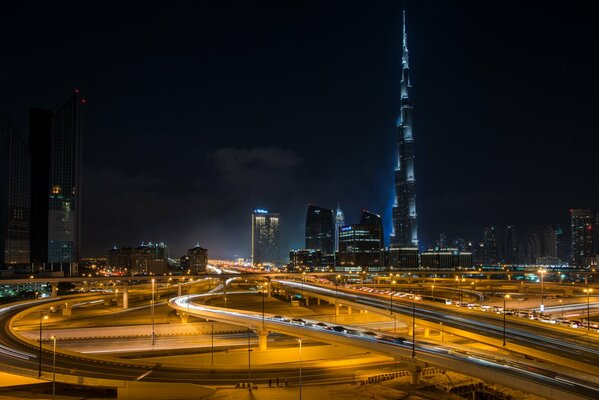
[[404, 56]]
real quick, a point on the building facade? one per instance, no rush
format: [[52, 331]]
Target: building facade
[[198, 259], [55, 144], [540, 246], [265, 238], [445, 258], [581, 229], [15, 199], [510, 245], [305, 260], [320, 229], [405, 231], [359, 249]]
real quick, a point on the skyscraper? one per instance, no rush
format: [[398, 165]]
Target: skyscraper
[[359, 249], [265, 237], [510, 245], [320, 229], [405, 232], [55, 144], [372, 219], [15, 203], [581, 225], [489, 249], [339, 222]]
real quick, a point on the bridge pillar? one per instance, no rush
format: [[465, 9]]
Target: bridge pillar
[[337, 306], [317, 301], [66, 309], [348, 310], [183, 315], [262, 340], [415, 375], [509, 277], [125, 296], [54, 289], [179, 289]]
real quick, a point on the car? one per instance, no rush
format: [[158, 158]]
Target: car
[[280, 318], [298, 321], [323, 326], [338, 328]]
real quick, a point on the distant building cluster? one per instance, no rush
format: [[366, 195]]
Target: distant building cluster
[[40, 191]]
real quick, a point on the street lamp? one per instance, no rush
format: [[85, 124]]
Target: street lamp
[[249, 362], [507, 296], [153, 332], [116, 300], [433, 291], [54, 368], [562, 304], [413, 326], [588, 292], [542, 273], [391, 293], [39, 372], [300, 368]]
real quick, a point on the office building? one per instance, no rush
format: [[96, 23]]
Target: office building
[[146, 259], [449, 258], [305, 260], [539, 246], [15, 203], [265, 238], [339, 222], [489, 249], [359, 249], [581, 229], [320, 229], [198, 259], [372, 219], [510, 245], [55, 145]]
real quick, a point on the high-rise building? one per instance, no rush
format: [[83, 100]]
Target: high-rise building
[[581, 225], [305, 260], [265, 237], [510, 245], [445, 258], [320, 229], [15, 203], [339, 222], [489, 249], [405, 231], [198, 259], [540, 246], [372, 219], [359, 249], [55, 144]]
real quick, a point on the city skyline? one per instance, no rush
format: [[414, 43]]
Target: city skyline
[[180, 171]]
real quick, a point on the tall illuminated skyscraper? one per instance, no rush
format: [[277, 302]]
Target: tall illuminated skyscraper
[[265, 237], [581, 225], [405, 232], [55, 144], [339, 222]]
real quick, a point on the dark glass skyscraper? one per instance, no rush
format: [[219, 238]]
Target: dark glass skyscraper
[[372, 219], [510, 245], [265, 237], [15, 203], [320, 229], [55, 144], [405, 232], [581, 225]]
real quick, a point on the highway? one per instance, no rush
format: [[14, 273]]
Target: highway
[[19, 356], [573, 345], [561, 386]]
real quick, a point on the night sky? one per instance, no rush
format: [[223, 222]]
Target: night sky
[[200, 111]]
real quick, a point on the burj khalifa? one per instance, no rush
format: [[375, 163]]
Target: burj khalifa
[[405, 231]]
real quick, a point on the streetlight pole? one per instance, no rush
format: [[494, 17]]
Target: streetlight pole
[[507, 296], [39, 371], [54, 369], [588, 292], [249, 362], [413, 327], [542, 272], [212, 346], [391, 293], [300, 368], [153, 332]]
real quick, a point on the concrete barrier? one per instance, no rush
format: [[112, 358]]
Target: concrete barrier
[[163, 391]]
